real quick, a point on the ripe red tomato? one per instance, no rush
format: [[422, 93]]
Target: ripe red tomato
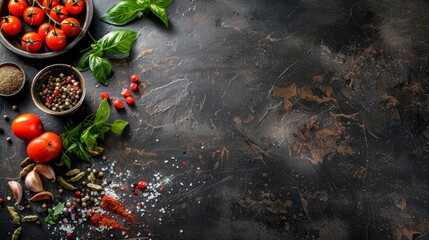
[[34, 16], [59, 13], [31, 42], [118, 104], [27, 126], [45, 147], [17, 7], [11, 25], [56, 39], [75, 6], [49, 4], [40, 1], [44, 29], [70, 27]]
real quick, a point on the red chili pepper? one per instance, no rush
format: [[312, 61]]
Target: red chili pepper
[[134, 86], [134, 78], [126, 92], [118, 104], [129, 100]]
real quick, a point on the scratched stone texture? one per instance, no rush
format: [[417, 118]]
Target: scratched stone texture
[[296, 119]]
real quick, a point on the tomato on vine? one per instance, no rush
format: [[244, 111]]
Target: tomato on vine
[[43, 30], [71, 27], [75, 6], [34, 16], [31, 42], [11, 25], [17, 7], [59, 13], [49, 4], [56, 39]]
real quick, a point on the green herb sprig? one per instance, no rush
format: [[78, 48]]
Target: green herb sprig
[[117, 42], [81, 141], [54, 214], [127, 10]]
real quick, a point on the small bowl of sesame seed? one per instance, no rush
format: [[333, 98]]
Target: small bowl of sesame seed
[[12, 79], [58, 89]]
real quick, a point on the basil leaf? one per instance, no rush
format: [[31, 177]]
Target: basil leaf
[[58, 209], [83, 62], [81, 153], [123, 12], [103, 112], [143, 3], [160, 13], [101, 69], [118, 41], [65, 141], [102, 130], [118, 126], [75, 132], [88, 138], [162, 3]]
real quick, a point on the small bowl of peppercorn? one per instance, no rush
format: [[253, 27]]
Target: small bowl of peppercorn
[[58, 89], [12, 79]]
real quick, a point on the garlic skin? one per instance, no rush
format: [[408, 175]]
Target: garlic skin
[[33, 182], [42, 196], [46, 171], [16, 190]]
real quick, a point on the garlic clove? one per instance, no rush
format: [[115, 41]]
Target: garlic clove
[[46, 171], [42, 196], [16, 190], [33, 182]]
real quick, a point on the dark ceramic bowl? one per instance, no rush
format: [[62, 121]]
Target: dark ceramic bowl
[[13, 43], [42, 77], [22, 80]]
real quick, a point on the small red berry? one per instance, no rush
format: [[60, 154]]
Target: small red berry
[[126, 92], [56, 93], [78, 200], [134, 78], [118, 104], [142, 185], [134, 86], [90, 211], [69, 235], [129, 100], [77, 193], [1, 200], [105, 95]]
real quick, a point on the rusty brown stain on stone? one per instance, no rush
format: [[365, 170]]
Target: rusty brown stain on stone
[[143, 153], [286, 94], [240, 121], [321, 142], [318, 78]]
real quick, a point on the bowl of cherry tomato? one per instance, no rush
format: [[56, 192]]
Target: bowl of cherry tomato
[[44, 28], [58, 89]]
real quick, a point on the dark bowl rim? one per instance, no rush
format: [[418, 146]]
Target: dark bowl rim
[[88, 17], [23, 82], [37, 101]]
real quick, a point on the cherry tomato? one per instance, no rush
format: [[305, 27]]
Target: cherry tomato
[[129, 100], [134, 78], [49, 4], [40, 1], [43, 30], [118, 104], [31, 42], [56, 39], [134, 86], [11, 25], [58, 13], [105, 95], [45, 147], [125, 92], [34, 16], [27, 126], [142, 185], [75, 6], [17, 7], [70, 27]]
